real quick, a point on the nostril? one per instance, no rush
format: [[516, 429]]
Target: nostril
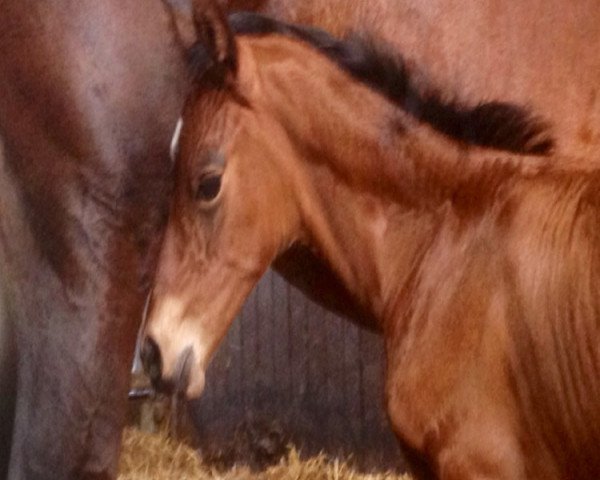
[[151, 360]]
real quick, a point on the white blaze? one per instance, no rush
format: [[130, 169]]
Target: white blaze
[[174, 334], [175, 139]]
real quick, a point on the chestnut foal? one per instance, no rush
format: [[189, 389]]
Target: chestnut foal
[[480, 267]]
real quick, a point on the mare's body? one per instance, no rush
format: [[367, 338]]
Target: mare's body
[[480, 267], [90, 92], [538, 53]]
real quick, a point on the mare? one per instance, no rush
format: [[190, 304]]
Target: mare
[[90, 92], [479, 266], [540, 53]]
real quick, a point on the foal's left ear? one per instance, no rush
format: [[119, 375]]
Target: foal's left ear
[[215, 35]]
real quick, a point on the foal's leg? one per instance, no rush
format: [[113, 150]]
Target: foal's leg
[[449, 397], [465, 442], [481, 450]]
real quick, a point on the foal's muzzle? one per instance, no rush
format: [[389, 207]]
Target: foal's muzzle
[[178, 382], [152, 361]]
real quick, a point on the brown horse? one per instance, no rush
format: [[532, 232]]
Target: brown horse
[[538, 53], [480, 267], [88, 95], [541, 53]]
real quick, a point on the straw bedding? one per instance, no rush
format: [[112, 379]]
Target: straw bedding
[[148, 456]]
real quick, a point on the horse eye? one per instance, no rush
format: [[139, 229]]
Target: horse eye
[[209, 188]]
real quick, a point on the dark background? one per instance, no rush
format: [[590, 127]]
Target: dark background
[[291, 371]]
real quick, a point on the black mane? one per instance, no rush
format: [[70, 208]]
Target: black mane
[[498, 125]]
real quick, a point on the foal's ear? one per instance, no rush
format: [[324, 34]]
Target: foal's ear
[[181, 15], [215, 35]]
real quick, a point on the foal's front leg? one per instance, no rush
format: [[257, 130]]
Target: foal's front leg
[[449, 397], [461, 437]]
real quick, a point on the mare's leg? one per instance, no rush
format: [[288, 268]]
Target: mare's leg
[[8, 384]]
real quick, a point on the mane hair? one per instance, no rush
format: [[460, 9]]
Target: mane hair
[[495, 124]]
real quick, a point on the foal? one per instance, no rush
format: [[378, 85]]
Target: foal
[[481, 268]]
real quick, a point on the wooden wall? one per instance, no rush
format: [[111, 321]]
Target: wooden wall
[[288, 370]]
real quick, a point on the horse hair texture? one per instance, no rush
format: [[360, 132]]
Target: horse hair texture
[[495, 124]]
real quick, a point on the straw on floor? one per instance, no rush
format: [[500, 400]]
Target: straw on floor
[[148, 456]]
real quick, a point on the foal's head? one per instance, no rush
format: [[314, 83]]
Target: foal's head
[[231, 214], [270, 117]]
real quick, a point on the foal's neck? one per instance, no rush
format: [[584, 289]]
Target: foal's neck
[[381, 183], [380, 206], [386, 197]]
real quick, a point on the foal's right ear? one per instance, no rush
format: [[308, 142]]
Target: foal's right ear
[[181, 15], [215, 35]]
